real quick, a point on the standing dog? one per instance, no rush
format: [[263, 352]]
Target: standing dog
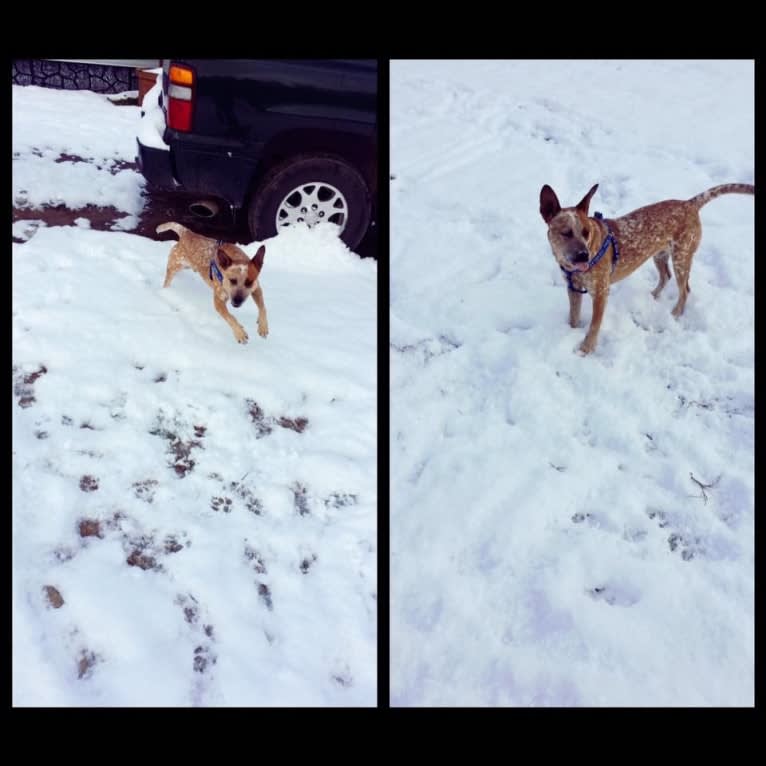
[[225, 268], [594, 252]]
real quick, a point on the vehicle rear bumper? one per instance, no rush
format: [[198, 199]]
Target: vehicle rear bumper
[[156, 167]]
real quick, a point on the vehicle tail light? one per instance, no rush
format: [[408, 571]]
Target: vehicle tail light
[[180, 98]]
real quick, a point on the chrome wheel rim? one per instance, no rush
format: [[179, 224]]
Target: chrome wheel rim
[[313, 203]]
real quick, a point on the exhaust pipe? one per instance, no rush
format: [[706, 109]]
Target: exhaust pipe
[[204, 208]]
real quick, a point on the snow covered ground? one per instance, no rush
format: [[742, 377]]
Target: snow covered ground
[[549, 545], [194, 521], [71, 147]]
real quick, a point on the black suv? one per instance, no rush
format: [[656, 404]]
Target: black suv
[[280, 141]]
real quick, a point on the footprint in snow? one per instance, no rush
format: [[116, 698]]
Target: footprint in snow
[[204, 655], [594, 520], [144, 490], [307, 562], [343, 677], [255, 558], [264, 593], [179, 449], [615, 595], [241, 491]]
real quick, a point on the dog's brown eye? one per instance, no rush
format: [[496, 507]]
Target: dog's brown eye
[[233, 281], [248, 283], [567, 233]]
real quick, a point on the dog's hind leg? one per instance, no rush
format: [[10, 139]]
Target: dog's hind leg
[[683, 252], [175, 264], [661, 262]]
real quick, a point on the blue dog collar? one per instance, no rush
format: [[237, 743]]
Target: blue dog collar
[[608, 240], [214, 270]]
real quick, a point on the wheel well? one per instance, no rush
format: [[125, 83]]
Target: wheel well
[[358, 150]]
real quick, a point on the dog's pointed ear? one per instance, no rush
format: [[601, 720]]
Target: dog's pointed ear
[[549, 203], [257, 259], [223, 260], [584, 203]]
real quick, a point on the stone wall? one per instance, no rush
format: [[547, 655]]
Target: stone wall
[[65, 75]]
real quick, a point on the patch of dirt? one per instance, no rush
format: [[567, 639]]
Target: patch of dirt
[[24, 385], [70, 158], [54, 597], [144, 552], [179, 449], [264, 424], [138, 559], [136, 546], [90, 528], [33, 376], [172, 545], [86, 663], [102, 218], [88, 483], [298, 424]]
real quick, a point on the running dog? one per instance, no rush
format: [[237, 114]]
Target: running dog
[[225, 268]]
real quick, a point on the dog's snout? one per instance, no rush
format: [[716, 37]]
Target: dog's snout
[[236, 301], [581, 256]]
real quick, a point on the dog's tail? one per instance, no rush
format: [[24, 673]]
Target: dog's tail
[[710, 194], [171, 226]]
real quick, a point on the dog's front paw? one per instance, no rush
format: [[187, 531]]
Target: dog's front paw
[[240, 335], [585, 348], [263, 328]]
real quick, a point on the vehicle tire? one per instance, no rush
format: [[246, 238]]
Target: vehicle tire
[[311, 189]]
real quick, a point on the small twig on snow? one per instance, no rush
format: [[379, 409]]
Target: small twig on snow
[[703, 487]]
